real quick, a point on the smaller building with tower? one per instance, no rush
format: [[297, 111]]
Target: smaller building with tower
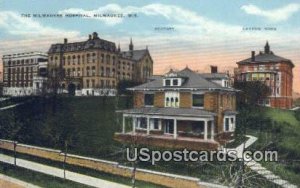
[[273, 70]]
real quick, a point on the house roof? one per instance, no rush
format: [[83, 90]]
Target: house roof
[[212, 76], [192, 80], [266, 56], [168, 111]]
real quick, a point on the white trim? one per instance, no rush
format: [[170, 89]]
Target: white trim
[[172, 117], [232, 126]]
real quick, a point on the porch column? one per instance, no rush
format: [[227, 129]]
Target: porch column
[[148, 125], [123, 125], [205, 130], [175, 128], [212, 129], [134, 121]]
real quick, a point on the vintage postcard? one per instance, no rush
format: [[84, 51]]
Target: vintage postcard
[[149, 94]]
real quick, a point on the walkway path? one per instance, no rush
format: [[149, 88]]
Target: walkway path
[[6, 181], [257, 167], [57, 172], [10, 106], [296, 108]]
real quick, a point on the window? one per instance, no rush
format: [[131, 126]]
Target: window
[[167, 101], [176, 102], [198, 100], [142, 123], [169, 127], [167, 82], [154, 124], [175, 82], [229, 123], [172, 99], [149, 99], [226, 124], [87, 83]]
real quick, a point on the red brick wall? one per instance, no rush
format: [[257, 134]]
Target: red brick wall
[[138, 99], [286, 87], [159, 99]]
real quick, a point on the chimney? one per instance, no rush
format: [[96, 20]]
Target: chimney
[[213, 69], [253, 56], [95, 35], [65, 40], [90, 37]]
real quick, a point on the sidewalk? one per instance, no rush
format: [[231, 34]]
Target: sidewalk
[[9, 182], [57, 172]]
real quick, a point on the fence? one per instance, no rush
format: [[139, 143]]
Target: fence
[[164, 179]]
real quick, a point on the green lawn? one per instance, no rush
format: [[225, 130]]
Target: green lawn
[[88, 124], [278, 130]]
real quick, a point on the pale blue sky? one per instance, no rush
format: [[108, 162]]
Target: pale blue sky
[[227, 12], [205, 32]]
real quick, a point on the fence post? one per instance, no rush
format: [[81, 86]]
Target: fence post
[[15, 153], [65, 158]]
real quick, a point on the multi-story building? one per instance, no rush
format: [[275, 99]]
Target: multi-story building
[[275, 71], [95, 66], [24, 73], [180, 110]]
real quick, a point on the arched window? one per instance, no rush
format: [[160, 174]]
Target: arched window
[[107, 59], [172, 101], [88, 58], [69, 60], [167, 101], [78, 59], [74, 59], [88, 71], [94, 57], [176, 102]]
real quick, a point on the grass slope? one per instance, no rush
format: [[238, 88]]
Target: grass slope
[[277, 130]]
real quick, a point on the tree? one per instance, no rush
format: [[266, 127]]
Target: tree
[[124, 84], [251, 91], [71, 89]]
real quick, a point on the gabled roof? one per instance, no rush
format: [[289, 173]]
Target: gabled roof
[[192, 81], [135, 54], [188, 112]]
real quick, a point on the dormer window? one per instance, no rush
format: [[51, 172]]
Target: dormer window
[[175, 82], [167, 82]]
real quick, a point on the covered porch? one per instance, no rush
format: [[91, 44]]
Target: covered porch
[[168, 126]]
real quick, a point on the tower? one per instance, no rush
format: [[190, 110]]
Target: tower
[[119, 48], [267, 48], [130, 45]]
